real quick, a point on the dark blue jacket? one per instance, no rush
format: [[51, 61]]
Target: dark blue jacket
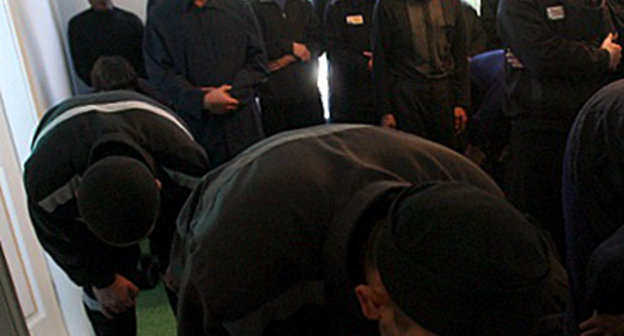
[[188, 48], [593, 194]]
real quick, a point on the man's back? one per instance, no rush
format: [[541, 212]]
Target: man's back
[[282, 215]]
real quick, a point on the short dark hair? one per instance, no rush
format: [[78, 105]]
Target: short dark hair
[[111, 73]]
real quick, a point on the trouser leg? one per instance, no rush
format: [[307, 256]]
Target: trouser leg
[[535, 175]]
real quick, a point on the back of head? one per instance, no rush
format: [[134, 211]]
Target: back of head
[[118, 199], [111, 73], [460, 261]]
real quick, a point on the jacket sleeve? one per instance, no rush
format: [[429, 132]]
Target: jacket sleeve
[[381, 76], [84, 258], [338, 51], [313, 35], [460, 79], [276, 47], [605, 280], [162, 72], [477, 42], [255, 71], [78, 53], [488, 17], [525, 29]]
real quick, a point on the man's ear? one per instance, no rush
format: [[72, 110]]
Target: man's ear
[[158, 184], [370, 302]]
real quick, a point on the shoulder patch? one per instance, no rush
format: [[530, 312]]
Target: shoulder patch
[[555, 13]]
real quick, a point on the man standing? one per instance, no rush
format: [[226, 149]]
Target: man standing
[[266, 249], [104, 30], [420, 68], [348, 25], [107, 170], [558, 63], [207, 57], [292, 37]]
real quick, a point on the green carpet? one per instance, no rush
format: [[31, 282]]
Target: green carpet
[[154, 314]]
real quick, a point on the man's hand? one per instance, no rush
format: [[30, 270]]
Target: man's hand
[[603, 324], [461, 119], [218, 100], [388, 121], [170, 281], [369, 55], [281, 62], [301, 51], [512, 60], [614, 49], [118, 297]]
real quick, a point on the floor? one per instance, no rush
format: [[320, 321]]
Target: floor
[[154, 314]]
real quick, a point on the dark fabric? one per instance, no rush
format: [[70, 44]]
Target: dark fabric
[[470, 263], [475, 34], [534, 181], [616, 13], [488, 17], [279, 115], [253, 229], [547, 87], [122, 324], [348, 26], [105, 33], [119, 199], [488, 127], [545, 96], [189, 48], [593, 186], [425, 109], [67, 150], [290, 99], [397, 60]]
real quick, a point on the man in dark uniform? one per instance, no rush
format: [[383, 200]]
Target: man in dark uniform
[[104, 30], [560, 64], [105, 171], [420, 68], [292, 37], [593, 192], [207, 57], [278, 249], [348, 25]]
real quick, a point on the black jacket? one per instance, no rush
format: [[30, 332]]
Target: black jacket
[[476, 35], [558, 42], [297, 22], [396, 59], [71, 136], [348, 28], [105, 33], [593, 192], [488, 17], [254, 230], [187, 48]]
